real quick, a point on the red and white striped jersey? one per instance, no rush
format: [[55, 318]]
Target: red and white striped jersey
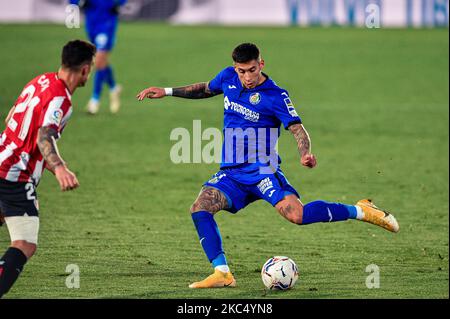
[[45, 101]]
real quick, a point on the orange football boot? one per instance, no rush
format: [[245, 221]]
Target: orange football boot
[[217, 280], [377, 216]]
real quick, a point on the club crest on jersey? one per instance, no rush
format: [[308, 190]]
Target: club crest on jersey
[[255, 98]]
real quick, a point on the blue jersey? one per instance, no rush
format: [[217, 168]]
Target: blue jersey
[[101, 12], [101, 21], [252, 120]]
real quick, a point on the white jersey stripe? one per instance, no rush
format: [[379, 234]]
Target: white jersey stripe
[[7, 152], [37, 171], [66, 117], [3, 139], [54, 114], [17, 168]]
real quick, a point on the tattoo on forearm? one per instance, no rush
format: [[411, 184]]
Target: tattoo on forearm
[[47, 145], [302, 138], [193, 91], [211, 200]]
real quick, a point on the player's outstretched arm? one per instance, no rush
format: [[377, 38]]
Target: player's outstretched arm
[[49, 150], [304, 145], [193, 91]]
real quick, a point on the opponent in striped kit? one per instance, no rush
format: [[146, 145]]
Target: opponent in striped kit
[[28, 146]]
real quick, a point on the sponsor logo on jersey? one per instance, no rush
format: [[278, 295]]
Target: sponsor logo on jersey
[[265, 185], [255, 98], [236, 107]]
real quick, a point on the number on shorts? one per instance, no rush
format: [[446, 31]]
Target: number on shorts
[[29, 187]]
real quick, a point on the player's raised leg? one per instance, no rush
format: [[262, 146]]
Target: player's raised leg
[[210, 201], [321, 211]]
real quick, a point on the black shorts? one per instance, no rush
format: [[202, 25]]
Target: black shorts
[[18, 199]]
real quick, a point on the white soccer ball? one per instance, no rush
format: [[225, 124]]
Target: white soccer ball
[[279, 273]]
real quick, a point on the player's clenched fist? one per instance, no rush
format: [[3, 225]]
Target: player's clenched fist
[[66, 179], [151, 93], [309, 160]]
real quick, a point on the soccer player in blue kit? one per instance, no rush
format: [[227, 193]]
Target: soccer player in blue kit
[[101, 26], [255, 108]]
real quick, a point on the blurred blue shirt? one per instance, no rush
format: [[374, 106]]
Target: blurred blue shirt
[[101, 11]]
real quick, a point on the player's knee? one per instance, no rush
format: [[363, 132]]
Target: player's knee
[[194, 208], [101, 60], [28, 249], [297, 216], [210, 200], [198, 207], [292, 210]]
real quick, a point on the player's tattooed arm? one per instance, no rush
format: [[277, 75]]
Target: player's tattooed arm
[[304, 144], [47, 145], [194, 91], [211, 200], [302, 138]]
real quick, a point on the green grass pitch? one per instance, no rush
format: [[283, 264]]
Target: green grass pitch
[[375, 103]]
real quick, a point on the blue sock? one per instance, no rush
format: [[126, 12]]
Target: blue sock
[[353, 212], [220, 260], [109, 77], [100, 76], [209, 236], [321, 211]]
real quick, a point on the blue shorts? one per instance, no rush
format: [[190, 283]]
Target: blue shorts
[[103, 36], [272, 188]]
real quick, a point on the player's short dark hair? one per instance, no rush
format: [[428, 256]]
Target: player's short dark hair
[[245, 52], [76, 53]]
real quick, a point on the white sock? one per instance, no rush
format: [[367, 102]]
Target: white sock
[[223, 268], [359, 213]]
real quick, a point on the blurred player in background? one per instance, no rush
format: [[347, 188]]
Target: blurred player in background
[[102, 18], [28, 145], [254, 103]]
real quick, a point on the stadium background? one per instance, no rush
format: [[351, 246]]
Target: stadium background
[[375, 101]]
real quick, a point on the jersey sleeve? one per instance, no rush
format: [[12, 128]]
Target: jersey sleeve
[[57, 113], [215, 85], [285, 111]]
